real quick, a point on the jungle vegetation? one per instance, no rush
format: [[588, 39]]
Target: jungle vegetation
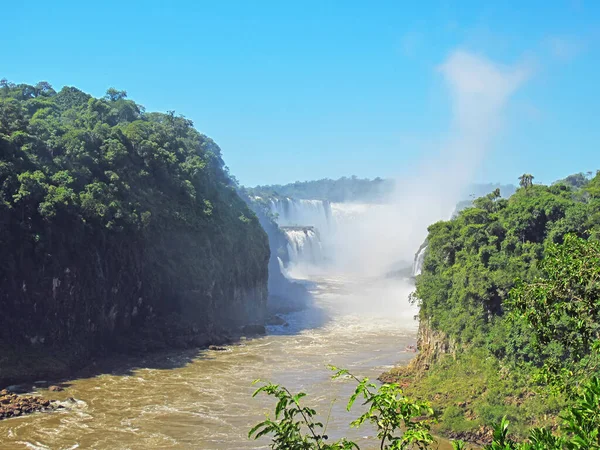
[[112, 217]]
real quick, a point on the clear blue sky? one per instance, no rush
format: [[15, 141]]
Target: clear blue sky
[[296, 90]]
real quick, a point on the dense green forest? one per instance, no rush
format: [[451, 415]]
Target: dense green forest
[[476, 272], [113, 218], [474, 260]]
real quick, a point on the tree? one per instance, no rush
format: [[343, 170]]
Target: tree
[[526, 180], [113, 94], [44, 88]]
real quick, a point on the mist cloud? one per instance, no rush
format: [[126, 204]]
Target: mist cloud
[[479, 90]]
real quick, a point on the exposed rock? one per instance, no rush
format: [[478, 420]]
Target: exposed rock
[[432, 345], [13, 405], [482, 436], [55, 389]]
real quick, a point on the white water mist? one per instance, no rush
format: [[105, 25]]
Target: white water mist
[[479, 90]]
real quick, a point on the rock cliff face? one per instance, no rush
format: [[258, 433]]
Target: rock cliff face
[[432, 345], [97, 293]]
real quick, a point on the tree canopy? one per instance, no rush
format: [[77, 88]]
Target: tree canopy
[[474, 260], [122, 200]]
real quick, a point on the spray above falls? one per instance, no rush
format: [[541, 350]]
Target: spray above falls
[[291, 212]]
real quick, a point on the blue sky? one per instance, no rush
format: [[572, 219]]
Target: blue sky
[[311, 89]]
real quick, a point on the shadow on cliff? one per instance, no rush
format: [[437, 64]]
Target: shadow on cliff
[[127, 354]]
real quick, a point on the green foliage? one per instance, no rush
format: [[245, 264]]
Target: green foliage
[[537, 256], [473, 261], [137, 203], [475, 389], [294, 427], [526, 180], [106, 159], [579, 430], [401, 423], [562, 308]]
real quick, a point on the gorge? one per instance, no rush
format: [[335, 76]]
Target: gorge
[[139, 277], [123, 235]]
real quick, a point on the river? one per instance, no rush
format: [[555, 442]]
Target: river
[[195, 399]]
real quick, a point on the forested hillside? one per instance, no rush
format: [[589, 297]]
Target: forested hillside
[[115, 220], [484, 289], [473, 261]]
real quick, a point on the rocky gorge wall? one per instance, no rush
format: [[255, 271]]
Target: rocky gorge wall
[[110, 292], [432, 346]]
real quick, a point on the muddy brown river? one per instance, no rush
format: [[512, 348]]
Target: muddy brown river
[[203, 399]]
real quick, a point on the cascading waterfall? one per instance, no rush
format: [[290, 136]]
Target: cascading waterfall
[[303, 221], [304, 245], [282, 268], [315, 228], [418, 264]]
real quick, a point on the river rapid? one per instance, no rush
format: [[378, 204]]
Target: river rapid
[[202, 399]]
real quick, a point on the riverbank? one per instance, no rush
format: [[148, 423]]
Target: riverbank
[[25, 365], [471, 390]]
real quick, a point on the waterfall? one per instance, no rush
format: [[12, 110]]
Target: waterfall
[[304, 245], [418, 264], [282, 268], [292, 213]]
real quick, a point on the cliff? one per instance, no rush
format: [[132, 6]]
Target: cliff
[[116, 224], [432, 346]]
